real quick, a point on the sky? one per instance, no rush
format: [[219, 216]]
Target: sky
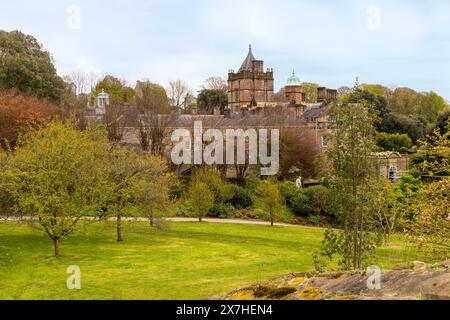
[[394, 43]]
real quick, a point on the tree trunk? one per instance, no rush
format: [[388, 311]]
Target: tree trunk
[[271, 222], [119, 228], [199, 219], [56, 246], [354, 219]]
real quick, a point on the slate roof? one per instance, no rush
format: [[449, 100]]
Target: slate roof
[[314, 111], [248, 62]]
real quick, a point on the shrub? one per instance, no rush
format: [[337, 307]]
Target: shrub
[[318, 198], [288, 190], [313, 219], [299, 200], [220, 210], [221, 189], [305, 201], [394, 141], [241, 199], [301, 204]]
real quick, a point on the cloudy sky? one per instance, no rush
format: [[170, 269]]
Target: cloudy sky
[[395, 43]]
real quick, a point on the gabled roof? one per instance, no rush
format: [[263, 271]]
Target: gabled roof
[[248, 62]]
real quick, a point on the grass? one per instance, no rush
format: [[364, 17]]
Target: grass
[[190, 261]]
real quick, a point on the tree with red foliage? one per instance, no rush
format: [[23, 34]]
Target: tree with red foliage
[[19, 112], [298, 151]]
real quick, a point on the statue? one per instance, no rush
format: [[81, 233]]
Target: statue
[[298, 182]]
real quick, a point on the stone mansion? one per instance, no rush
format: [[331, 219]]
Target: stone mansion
[[252, 87], [251, 104]]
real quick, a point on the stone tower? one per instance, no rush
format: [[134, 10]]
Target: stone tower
[[251, 85], [293, 90]]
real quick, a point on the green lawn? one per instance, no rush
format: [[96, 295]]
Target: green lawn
[[191, 261]]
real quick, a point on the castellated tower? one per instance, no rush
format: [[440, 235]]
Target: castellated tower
[[250, 86]]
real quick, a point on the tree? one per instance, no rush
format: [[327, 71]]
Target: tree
[[18, 113], [383, 204], [118, 90], [414, 126], [394, 141], [116, 116], [215, 83], [27, 67], [269, 200], [427, 105], [130, 175], [433, 158], [406, 191], [298, 152], [7, 199], [82, 82], [280, 96], [221, 190], [310, 89], [153, 131], [405, 101], [431, 225], [432, 106], [155, 118], [179, 94], [151, 97], [73, 105], [352, 171], [377, 90], [377, 103], [154, 195], [201, 199], [210, 99], [56, 176], [441, 121], [342, 91]]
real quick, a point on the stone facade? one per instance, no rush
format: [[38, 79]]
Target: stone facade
[[251, 85], [294, 94], [326, 95], [392, 165]]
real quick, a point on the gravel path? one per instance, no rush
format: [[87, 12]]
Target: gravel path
[[180, 219]]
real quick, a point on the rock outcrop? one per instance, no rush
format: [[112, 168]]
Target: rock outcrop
[[416, 280]]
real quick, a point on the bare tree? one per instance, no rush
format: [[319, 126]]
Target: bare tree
[[178, 93], [153, 131], [83, 82], [115, 123], [215, 83]]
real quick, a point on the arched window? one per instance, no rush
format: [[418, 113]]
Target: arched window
[[393, 173]]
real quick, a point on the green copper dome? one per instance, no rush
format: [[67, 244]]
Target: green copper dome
[[293, 80]]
